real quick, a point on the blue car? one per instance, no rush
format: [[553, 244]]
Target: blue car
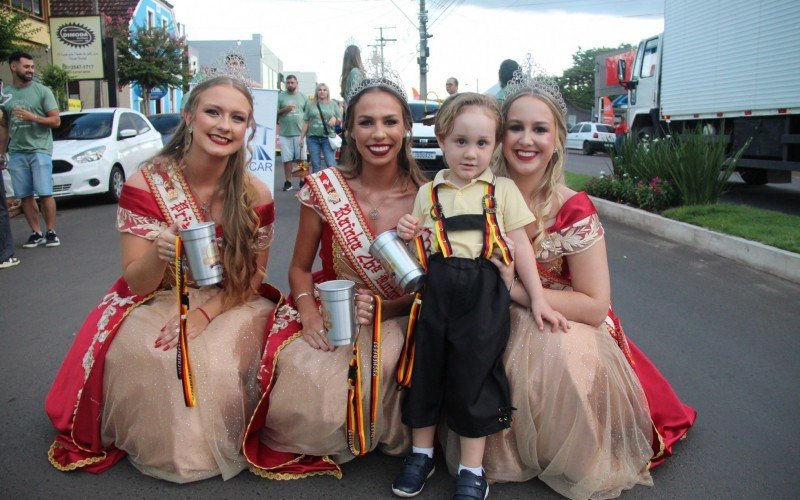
[[165, 123]]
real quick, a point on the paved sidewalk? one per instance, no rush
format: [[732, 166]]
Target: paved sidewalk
[[765, 258]]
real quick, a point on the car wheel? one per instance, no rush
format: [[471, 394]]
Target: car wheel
[[115, 181], [587, 148]]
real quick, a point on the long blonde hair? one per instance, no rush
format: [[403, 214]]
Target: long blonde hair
[[239, 220], [554, 172]]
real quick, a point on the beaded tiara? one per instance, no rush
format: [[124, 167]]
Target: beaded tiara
[[379, 76], [532, 78]]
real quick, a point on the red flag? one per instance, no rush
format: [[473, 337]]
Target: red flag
[[415, 92]]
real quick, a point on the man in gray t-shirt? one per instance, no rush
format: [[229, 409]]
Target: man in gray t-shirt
[[26, 133], [291, 109]]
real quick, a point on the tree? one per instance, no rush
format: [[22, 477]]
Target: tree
[[57, 78], [148, 57], [15, 32], [577, 82]]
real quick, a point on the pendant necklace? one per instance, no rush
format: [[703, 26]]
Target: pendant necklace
[[374, 213]]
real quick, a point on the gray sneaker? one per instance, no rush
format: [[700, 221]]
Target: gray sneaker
[[51, 239]]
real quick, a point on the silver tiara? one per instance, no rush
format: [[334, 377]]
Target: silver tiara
[[231, 64], [531, 77], [379, 75]]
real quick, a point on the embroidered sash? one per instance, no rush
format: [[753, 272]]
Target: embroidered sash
[[351, 230]]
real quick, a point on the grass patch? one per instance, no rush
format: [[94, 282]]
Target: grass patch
[[577, 182], [764, 226]]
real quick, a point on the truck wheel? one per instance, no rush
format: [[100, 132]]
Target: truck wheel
[[115, 181], [587, 148], [753, 176], [645, 134]]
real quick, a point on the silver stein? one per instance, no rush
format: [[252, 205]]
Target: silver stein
[[200, 244], [338, 299], [393, 253]]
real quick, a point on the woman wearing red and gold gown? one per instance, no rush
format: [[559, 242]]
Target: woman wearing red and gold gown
[[300, 427], [117, 391]]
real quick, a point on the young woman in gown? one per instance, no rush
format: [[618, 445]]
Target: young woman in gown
[[593, 413], [300, 426], [117, 392]]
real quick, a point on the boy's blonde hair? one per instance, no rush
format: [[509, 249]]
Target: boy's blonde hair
[[453, 105]]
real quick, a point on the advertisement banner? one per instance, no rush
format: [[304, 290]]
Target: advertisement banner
[[608, 111], [77, 46], [265, 111]]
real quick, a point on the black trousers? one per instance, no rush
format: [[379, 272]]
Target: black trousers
[[460, 336]]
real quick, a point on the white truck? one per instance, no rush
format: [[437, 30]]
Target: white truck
[[731, 68]]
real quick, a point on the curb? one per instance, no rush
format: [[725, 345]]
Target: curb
[[765, 258]]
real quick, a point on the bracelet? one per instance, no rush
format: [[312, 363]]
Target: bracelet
[[203, 311], [300, 296], [512, 284]]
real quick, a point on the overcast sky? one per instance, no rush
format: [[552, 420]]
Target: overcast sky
[[470, 37]]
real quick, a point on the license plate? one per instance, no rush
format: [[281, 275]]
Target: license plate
[[423, 155]]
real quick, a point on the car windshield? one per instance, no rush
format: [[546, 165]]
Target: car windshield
[[84, 126], [420, 110], [605, 128], [167, 123]]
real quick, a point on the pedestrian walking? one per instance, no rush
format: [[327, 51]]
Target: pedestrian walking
[[25, 133], [291, 109]]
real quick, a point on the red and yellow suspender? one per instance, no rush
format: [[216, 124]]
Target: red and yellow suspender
[[356, 433], [184, 367]]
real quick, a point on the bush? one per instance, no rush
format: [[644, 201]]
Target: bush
[[656, 195], [696, 165], [57, 79]]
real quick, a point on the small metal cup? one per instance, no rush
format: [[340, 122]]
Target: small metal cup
[[393, 253], [200, 245], [338, 310]]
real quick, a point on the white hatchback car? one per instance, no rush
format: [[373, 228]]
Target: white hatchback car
[[424, 146], [590, 137], [95, 150]]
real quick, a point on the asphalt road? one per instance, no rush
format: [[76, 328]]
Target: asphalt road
[[726, 336]]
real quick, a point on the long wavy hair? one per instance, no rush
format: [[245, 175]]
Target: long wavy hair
[[351, 163], [239, 220], [546, 192], [350, 60]]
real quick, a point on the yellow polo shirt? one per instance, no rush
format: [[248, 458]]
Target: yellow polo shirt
[[512, 211]]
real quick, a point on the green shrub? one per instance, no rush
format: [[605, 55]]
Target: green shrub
[[57, 79]]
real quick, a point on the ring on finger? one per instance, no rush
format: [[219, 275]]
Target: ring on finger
[[371, 308]]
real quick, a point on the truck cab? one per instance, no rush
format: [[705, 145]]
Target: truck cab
[[643, 88]]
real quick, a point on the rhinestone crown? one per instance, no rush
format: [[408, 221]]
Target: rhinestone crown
[[532, 77]]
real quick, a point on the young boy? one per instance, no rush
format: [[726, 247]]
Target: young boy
[[463, 325]]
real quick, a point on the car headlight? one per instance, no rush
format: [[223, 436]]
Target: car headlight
[[93, 154]]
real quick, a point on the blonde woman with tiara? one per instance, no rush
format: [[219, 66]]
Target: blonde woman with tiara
[[593, 413], [117, 392]]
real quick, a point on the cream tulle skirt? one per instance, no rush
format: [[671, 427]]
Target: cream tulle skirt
[[143, 408], [582, 424], [308, 404]]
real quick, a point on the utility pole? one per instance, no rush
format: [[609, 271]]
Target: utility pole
[[424, 53], [381, 44]]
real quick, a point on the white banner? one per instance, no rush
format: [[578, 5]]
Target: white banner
[[77, 46], [265, 111]]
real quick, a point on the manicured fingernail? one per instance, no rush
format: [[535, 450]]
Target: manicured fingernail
[[158, 343], [166, 347]]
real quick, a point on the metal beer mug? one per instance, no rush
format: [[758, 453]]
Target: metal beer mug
[[338, 300], [200, 244], [393, 253]]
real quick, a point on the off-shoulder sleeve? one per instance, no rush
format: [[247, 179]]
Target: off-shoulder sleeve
[[138, 214], [307, 197], [570, 239], [266, 226]]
